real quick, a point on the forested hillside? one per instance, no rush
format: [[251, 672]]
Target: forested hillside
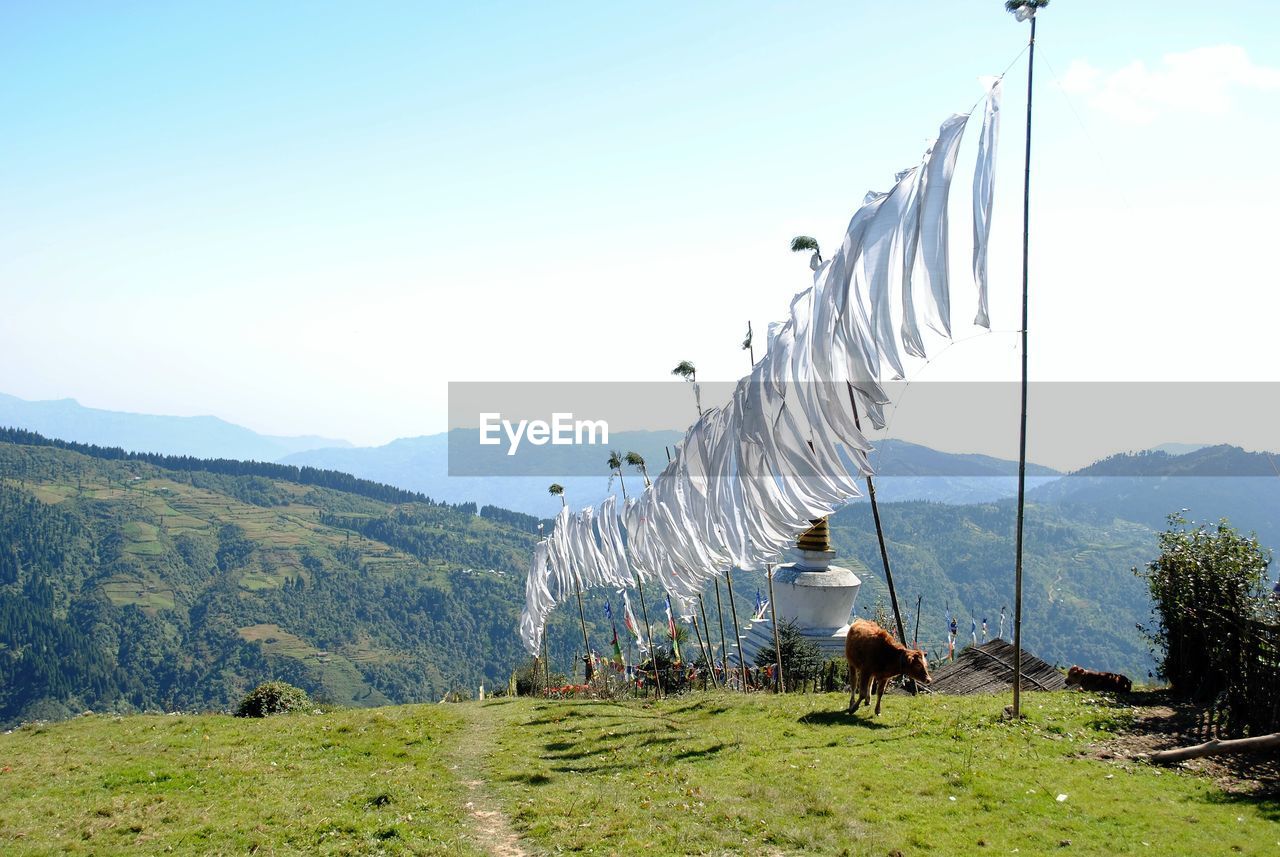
[[136, 581], [1081, 601], [139, 582]]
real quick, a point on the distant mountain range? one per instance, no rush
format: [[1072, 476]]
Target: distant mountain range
[[1210, 481], [203, 437], [908, 472], [1218, 460], [422, 464], [1205, 485]]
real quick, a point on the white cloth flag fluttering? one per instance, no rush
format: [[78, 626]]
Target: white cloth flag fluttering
[[983, 191], [785, 449], [538, 601], [629, 619], [933, 222]]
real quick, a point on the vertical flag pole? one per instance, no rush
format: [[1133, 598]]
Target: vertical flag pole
[[546, 663], [586, 646], [804, 242], [915, 637], [1033, 6], [778, 684], [705, 657], [737, 635], [711, 647], [648, 632], [724, 649], [884, 550]]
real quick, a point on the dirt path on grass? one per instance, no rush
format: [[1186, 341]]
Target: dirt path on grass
[[493, 830]]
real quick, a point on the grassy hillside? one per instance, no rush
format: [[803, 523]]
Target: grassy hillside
[[340, 783], [134, 582], [125, 585], [933, 775], [699, 774]]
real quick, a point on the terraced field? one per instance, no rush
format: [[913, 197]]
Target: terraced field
[[236, 579]]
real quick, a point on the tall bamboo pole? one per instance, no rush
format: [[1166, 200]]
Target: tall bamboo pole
[[711, 647], [777, 645], [1022, 433], [724, 649], [705, 657], [875, 510], [915, 636], [875, 514], [546, 663], [737, 635], [586, 646], [648, 631]]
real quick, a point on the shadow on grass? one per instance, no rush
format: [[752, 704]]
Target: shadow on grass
[[618, 767], [557, 746], [529, 779], [713, 750], [584, 747], [578, 754], [708, 706], [569, 711], [1267, 802], [840, 718]]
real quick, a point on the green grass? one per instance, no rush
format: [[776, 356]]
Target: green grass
[[343, 782], [340, 680], [256, 581], [145, 591], [277, 641], [703, 774], [718, 773]]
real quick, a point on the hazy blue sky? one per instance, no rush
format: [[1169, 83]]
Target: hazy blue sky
[[308, 217]]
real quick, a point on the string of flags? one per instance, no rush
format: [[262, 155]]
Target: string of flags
[[786, 449]]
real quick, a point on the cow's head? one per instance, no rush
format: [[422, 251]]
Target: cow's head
[[918, 666], [1074, 675]]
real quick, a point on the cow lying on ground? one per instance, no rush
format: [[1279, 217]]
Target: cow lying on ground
[[874, 655], [1093, 680]]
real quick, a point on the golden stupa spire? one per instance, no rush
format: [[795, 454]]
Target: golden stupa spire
[[816, 538]]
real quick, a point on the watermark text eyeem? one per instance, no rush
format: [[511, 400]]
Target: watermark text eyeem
[[563, 430]]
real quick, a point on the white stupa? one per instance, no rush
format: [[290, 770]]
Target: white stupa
[[816, 595]]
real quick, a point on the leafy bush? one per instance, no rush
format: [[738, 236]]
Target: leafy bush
[[531, 679], [1215, 634], [273, 697], [801, 657]]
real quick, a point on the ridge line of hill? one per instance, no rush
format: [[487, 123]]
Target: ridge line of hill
[[301, 475]]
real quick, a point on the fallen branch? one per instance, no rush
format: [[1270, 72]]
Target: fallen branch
[[1215, 748]]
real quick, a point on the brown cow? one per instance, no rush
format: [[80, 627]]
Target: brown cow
[[1093, 680], [873, 654]]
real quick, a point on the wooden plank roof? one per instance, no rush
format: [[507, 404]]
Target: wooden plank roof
[[989, 669]]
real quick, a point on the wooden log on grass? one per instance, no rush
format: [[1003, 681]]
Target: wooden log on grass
[[1216, 748]]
